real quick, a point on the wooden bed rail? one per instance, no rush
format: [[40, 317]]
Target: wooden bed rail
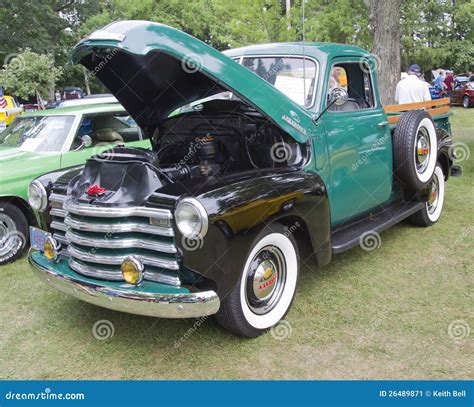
[[433, 107]]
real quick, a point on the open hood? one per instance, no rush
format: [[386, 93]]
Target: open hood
[[153, 69]]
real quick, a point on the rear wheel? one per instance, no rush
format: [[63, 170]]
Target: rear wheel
[[13, 232], [266, 287], [465, 101], [431, 212]]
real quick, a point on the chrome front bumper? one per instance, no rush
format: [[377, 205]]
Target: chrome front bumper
[[126, 298]]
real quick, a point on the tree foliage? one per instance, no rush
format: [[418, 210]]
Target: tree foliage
[[29, 73], [434, 33]]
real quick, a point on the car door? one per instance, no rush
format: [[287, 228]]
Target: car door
[[358, 142], [106, 130], [456, 95]]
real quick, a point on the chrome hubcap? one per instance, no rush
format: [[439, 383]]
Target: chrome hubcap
[[434, 195], [423, 151], [266, 278], [9, 238]]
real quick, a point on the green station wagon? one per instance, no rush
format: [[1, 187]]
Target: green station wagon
[[273, 161], [48, 140]]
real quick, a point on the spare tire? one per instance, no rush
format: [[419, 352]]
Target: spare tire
[[415, 150]]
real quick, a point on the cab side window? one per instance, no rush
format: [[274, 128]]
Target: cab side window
[[108, 128], [355, 78]]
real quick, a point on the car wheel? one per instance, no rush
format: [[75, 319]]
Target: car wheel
[[13, 232], [465, 102], [266, 287], [431, 212], [415, 147]]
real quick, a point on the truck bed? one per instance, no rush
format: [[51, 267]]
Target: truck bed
[[438, 109]]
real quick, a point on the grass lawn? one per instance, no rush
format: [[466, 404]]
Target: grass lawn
[[367, 315]]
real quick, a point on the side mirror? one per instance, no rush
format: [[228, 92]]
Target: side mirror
[[86, 141], [338, 96]]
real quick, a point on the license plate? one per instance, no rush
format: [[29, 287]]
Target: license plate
[[38, 238]]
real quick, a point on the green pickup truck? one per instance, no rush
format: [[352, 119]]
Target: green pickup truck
[[48, 140], [275, 155]]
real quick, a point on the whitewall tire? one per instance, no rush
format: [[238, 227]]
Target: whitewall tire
[[266, 286], [433, 208]]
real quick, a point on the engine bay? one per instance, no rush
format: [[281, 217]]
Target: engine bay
[[221, 137], [212, 139]]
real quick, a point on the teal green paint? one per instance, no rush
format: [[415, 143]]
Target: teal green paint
[[147, 287]]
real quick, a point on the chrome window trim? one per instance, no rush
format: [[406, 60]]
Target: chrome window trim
[[117, 227], [117, 260], [114, 212], [376, 105], [123, 243]]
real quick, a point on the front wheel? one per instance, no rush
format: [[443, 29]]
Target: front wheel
[[13, 232], [431, 212], [465, 101], [266, 287]]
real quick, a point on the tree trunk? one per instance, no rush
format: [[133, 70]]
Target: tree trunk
[[384, 17]]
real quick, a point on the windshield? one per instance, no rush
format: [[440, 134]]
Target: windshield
[[292, 76], [37, 134], [295, 77]]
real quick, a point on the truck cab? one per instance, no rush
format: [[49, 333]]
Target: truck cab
[[264, 158]]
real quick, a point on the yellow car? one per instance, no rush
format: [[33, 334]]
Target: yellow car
[[11, 110]]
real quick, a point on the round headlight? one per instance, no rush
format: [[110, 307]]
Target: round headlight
[[191, 218], [37, 196]]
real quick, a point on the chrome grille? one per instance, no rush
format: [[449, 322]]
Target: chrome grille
[[58, 214], [99, 239]]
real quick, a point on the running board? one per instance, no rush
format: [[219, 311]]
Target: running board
[[347, 236]]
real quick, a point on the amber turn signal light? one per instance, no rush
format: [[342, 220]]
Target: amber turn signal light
[[132, 270]]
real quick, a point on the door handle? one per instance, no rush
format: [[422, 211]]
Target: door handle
[[383, 124]]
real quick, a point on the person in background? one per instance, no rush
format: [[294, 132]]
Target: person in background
[[449, 82], [439, 83], [412, 89]]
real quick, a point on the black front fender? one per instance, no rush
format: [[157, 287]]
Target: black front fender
[[239, 211]]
